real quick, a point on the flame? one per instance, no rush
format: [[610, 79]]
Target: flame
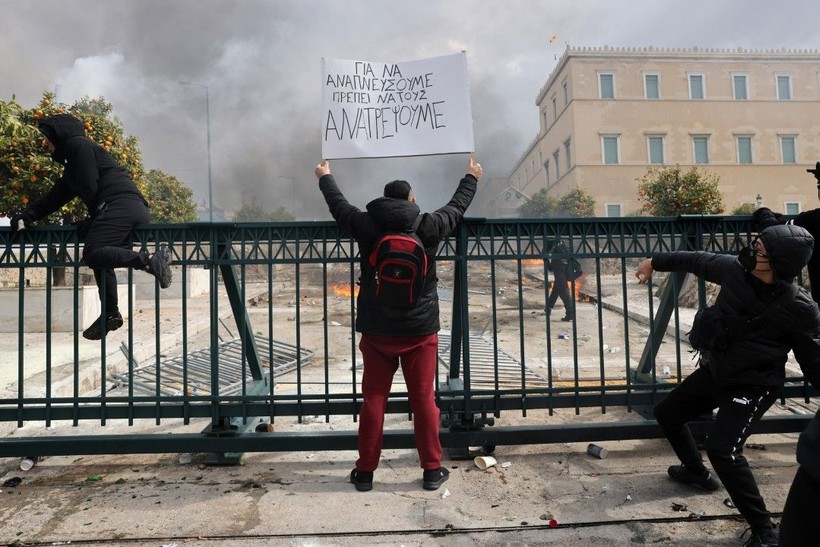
[[340, 289], [579, 285]]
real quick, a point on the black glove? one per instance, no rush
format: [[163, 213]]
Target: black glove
[[22, 221]]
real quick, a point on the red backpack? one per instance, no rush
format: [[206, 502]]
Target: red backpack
[[400, 268]]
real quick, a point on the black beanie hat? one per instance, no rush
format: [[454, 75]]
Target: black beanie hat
[[397, 189], [789, 248]]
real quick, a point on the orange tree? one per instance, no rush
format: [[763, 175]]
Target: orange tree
[[26, 170], [668, 192], [168, 198]]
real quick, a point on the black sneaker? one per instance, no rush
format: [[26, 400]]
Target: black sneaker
[[159, 265], [363, 480], [765, 537], [681, 474], [567, 318], [434, 478], [112, 322]]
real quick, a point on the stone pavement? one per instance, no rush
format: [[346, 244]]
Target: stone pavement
[[303, 498]]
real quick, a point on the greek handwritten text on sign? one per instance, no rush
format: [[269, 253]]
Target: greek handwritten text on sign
[[413, 108]]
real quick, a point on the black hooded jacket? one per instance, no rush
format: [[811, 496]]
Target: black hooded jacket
[[90, 173], [397, 215], [759, 358]]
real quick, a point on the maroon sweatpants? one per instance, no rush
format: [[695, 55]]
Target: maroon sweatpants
[[382, 356]]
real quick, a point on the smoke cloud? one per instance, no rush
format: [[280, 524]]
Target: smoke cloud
[[261, 63]]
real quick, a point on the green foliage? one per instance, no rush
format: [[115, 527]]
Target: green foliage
[[251, 211], [539, 205], [666, 192], [168, 199], [576, 203], [744, 209]]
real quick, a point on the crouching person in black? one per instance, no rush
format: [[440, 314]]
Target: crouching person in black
[[114, 205], [741, 377]]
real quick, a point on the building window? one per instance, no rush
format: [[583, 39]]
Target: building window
[[555, 160], [788, 152], [744, 150], [554, 108], [547, 172], [609, 145], [655, 146], [792, 208], [696, 87], [613, 210], [652, 88], [740, 89], [568, 150], [565, 92], [784, 87], [544, 115], [700, 145], [606, 83]]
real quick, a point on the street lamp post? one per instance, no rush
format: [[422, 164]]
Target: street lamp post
[[208, 128]]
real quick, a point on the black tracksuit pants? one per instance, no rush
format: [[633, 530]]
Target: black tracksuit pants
[[107, 245], [739, 409]]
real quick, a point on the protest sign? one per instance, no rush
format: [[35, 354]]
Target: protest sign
[[414, 108]]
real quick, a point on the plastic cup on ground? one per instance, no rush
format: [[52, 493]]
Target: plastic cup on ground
[[484, 462], [26, 464]]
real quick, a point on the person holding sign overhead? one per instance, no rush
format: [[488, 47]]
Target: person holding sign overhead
[[398, 325]]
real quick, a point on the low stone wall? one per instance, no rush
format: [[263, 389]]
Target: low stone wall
[[62, 308]]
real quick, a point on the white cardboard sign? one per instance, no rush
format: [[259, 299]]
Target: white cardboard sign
[[414, 108]]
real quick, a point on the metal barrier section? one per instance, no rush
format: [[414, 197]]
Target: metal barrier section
[[258, 327]]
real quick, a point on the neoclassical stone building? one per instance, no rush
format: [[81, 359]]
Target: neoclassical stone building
[[751, 117]]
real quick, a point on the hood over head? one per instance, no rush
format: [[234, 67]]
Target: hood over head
[[393, 214], [58, 129], [789, 248]]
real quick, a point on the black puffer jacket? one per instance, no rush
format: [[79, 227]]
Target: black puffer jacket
[[758, 359], [90, 173], [399, 215]]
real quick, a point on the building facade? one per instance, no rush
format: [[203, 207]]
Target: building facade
[[608, 114]]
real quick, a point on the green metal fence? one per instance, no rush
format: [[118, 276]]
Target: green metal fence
[[258, 329]]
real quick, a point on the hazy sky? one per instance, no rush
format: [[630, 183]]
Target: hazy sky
[[261, 62]]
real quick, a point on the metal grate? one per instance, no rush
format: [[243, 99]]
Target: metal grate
[[169, 377], [483, 356]]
